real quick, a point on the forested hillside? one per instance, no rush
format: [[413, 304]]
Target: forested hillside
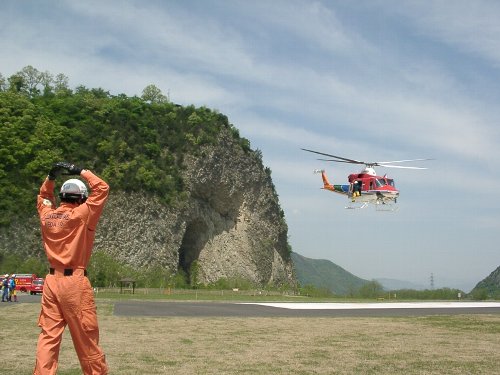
[[136, 143], [489, 287], [325, 274], [189, 199]]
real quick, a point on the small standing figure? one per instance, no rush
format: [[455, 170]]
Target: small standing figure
[[5, 288], [12, 288]]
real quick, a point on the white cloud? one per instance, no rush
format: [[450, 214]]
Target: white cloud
[[472, 26], [377, 80]]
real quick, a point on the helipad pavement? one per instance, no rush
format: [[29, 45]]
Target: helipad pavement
[[286, 309]]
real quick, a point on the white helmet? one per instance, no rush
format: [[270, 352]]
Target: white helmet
[[74, 189]]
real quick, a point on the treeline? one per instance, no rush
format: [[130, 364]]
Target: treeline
[[428, 294], [104, 271], [135, 143], [373, 290]]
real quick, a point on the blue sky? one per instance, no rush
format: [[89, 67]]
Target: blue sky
[[368, 80]]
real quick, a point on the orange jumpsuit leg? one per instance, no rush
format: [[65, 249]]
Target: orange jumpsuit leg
[[76, 303], [83, 326], [52, 323]]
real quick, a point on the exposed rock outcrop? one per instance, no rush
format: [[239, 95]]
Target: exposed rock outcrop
[[231, 223]]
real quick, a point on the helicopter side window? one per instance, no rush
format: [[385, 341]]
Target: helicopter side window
[[390, 182], [380, 182]]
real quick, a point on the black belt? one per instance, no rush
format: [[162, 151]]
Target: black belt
[[67, 271]]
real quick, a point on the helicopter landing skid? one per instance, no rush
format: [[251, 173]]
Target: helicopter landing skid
[[379, 206], [386, 207], [357, 206]]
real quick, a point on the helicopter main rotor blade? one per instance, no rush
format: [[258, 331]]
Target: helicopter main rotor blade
[[399, 161], [344, 160], [338, 161], [398, 166]]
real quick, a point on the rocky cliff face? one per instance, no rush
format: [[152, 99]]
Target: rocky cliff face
[[231, 223]]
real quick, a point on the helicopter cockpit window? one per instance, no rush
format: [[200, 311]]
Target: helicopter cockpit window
[[383, 182]]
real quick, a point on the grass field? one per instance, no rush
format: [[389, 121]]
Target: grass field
[[459, 344]]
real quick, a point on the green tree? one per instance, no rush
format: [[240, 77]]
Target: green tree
[[372, 289], [3, 83], [312, 291], [31, 77], [61, 84], [153, 94], [156, 276], [34, 265], [104, 270], [179, 280], [17, 83], [194, 273], [9, 263], [480, 294], [14, 263]]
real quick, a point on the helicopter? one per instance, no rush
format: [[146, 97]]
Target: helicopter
[[366, 187]]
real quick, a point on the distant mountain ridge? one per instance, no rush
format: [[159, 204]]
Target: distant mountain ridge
[[323, 273]]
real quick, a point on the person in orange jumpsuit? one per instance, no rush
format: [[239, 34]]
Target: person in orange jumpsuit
[[68, 235]]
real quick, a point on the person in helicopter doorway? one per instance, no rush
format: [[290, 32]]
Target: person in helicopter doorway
[[356, 189]]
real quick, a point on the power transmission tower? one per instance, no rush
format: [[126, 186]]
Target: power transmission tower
[[432, 281]]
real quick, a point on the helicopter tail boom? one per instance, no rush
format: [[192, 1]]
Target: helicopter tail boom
[[326, 183], [341, 189]]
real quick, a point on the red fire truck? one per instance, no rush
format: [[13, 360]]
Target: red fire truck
[[37, 285], [29, 282]]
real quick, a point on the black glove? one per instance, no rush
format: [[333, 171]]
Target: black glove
[[55, 171], [73, 169], [63, 165]]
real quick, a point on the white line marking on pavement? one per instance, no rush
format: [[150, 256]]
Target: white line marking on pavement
[[379, 305]]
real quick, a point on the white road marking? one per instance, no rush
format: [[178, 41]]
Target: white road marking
[[375, 305]]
